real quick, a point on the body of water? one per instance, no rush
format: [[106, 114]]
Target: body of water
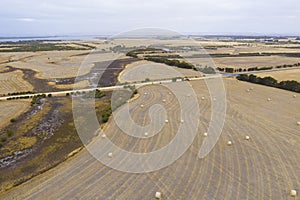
[[16, 39]]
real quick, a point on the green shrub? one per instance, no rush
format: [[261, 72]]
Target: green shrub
[[3, 139], [9, 133], [12, 120]]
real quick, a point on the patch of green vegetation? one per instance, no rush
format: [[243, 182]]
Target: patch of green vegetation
[[20, 93], [94, 94], [3, 139], [9, 132], [12, 120], [36, 99], [166, 59], [207, 70], [135, 53], [106, 114], [176, 63]]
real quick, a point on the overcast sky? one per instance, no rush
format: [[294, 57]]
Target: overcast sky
[[56, 17]]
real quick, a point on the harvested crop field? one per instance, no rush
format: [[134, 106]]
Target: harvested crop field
[[53, 64], [153, 71], [13, 82], [247, 62], [264, 167], [284, 75]]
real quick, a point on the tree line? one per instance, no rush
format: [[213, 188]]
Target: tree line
[[270, 81], [232, 70]]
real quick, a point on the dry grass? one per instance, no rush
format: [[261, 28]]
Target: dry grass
[[78, 85], [11, 109]]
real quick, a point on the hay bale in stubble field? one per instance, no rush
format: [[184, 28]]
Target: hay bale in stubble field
[[293, 193], [158, 195]]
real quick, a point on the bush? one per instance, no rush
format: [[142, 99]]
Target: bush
[[9, 133], [13, 120], [105, 115], [49, 95], [3, 139], [207, 70]]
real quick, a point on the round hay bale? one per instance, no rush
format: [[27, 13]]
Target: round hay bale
[[205, 134], [142, 106], [170, 93], [166, 121], [269, 99], [229, 143], [158, 195], [103, 135], [298, 123], [110, 154], [293, 193], [202, 98], [164, 100], [251, 88], [146, 134], [247, 137], [145, 93], [248, 90], [182, 121], [294, 96]]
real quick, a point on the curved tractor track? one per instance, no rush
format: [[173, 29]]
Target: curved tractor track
[[265, 167]]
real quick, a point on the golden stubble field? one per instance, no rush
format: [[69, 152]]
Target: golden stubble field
[[283, 75], [142, 70], [53, 64], [13, 82], [264, 167]]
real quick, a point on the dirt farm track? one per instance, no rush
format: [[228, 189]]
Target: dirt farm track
[[265, 167]]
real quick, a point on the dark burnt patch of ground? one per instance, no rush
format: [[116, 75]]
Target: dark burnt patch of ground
[[108, 71]]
